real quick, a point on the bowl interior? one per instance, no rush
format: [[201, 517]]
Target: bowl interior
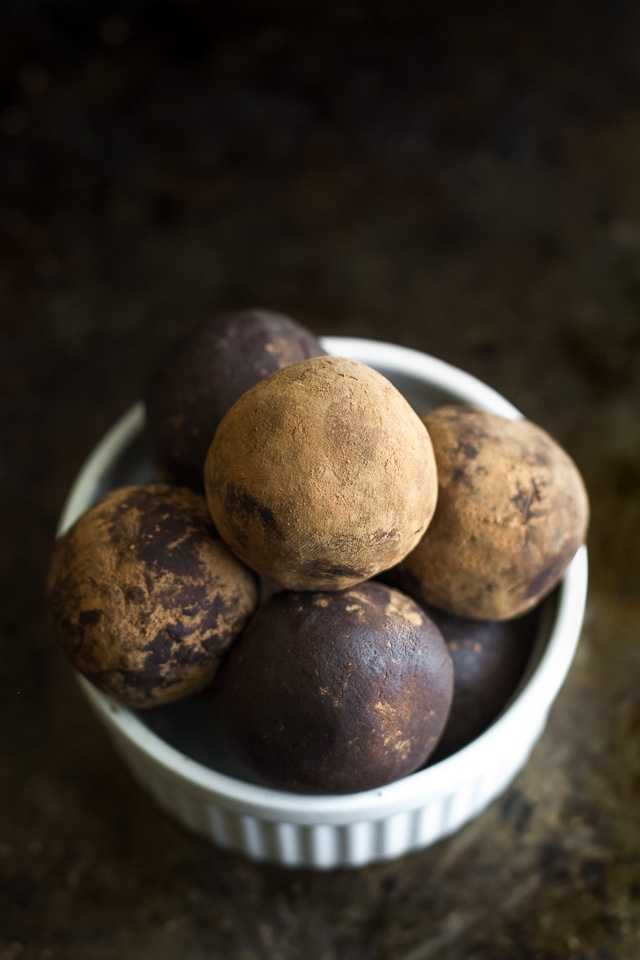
[[191, 726]]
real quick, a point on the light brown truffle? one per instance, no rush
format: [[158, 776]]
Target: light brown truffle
[[321, 475], [145, 597], [512, 511]]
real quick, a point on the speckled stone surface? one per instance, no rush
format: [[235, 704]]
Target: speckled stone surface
[[465, 182]]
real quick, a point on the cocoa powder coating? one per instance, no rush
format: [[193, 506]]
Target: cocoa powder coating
[[145, 597], [336, 692], [203, 377], [512, 511], [321, 475]]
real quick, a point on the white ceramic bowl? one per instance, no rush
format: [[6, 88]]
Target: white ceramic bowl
[[184, 763]]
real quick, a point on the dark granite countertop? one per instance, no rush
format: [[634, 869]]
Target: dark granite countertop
[[465, 182]]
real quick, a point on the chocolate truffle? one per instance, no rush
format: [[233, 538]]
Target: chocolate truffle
[[336, 692], [205, 374], [321, 475], [145, 598], [489, 660], [512, 511]]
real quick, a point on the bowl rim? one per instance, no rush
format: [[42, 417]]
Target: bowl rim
[[528, 708]]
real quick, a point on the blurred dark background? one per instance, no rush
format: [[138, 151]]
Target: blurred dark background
[[463, 178]]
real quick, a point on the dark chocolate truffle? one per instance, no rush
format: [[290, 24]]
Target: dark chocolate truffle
[[336, 692], [512, 511], [203, 377], [321, 476], [145, 597], [489, 660]]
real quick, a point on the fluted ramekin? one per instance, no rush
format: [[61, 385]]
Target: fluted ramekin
[[340, 831]]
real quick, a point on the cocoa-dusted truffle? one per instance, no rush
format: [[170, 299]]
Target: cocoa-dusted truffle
[[489, 659], [336, 692], [203, 377], [145, 597], [512, 511], [321, 476]]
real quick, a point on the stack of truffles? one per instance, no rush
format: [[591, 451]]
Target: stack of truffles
[[308, 478]]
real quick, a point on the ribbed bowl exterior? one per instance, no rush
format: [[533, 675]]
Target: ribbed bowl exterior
[[335, 832], [326, 846]]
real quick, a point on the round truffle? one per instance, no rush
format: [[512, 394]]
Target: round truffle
[[203, 377], [489, 659], [145, 597], [336, 692], [321, 475], [512, 511]]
